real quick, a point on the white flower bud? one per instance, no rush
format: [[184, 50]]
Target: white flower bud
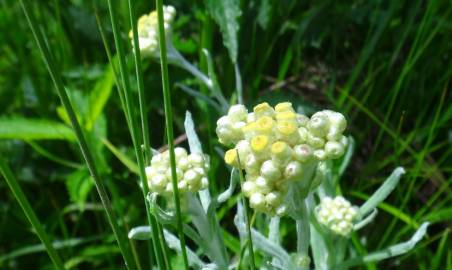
[[183, 164], [270, 171], [302, 152], [263, 185], [191, 176], [273, 198], [252, 165], [314, 141], [257, 201], [150, 172], [319, 124], [334, 149], [179, 153], [158, 182], [250, 118], [337, 120], [237, 113], [248, 188], [302, 120], [293, 171], [196, 160]]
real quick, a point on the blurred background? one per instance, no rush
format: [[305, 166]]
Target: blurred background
[[386, 65]]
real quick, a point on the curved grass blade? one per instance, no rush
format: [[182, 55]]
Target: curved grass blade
[[56, 77], [28, 210]]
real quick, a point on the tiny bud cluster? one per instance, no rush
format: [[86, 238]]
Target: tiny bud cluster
[[148, 32], [337, 215], [275, 146], [191, 172]]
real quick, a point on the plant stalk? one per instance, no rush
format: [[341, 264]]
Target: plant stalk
[[86, 152], [169, 127]]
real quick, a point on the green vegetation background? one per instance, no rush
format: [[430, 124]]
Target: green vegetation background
[[386, 65]]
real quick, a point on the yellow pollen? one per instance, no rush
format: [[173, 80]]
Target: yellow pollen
[[287, 128], [230, 157], [279, 147], [284, 107], [259, 143], [265, 124], [286, 116], [261, 108]]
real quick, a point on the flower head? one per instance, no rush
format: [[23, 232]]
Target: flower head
[[337, 214], [190, 172], [275, 147], [148, 32]]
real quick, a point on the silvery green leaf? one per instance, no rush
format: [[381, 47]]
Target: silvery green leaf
[[233, 180], [348, 156], [225, 13], [174, 243], [389, 252], [140, 233], [193, 139], [216, 90], [319, 250], [273, 234], [368, 219], [144, 233], [382, 193], [260, 242]]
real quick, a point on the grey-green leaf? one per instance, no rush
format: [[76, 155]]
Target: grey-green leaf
[[34, 129], [382, 193], [225, 13]]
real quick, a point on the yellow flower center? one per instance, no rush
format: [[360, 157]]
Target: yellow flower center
[[284, 107], [287, 128], [259, 143], [230, 157], [265, 124], [279, 147]]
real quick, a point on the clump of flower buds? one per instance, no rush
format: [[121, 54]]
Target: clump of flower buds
[[191, 172], [337, 215], [148, 32], [275, 146]]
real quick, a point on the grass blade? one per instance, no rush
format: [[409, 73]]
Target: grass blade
[[28, 210], [134, 132], [58, 83], [169, 126]]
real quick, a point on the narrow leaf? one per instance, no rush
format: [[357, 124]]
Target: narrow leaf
[[34, 129], [383, 192]]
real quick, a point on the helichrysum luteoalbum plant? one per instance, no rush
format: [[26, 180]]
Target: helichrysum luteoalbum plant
[[288, 160], [148, 30], [277, 146], [190, 169]]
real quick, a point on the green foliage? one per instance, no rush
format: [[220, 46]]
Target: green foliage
[[226, 14], [34, 129]]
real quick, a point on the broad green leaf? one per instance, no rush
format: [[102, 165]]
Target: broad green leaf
[[34, 129], [225, 13], [99, 97], [79, 184]]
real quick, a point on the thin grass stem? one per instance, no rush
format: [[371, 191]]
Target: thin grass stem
[[28, 210], [169, 126], [134, 132], [57, 80]]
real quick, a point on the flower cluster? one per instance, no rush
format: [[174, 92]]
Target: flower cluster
[[148, 30], [190, 170], [275, 146], [337, 215]]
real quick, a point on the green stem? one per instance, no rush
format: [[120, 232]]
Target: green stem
[[57, 80], [169, 126], [247, 218], [133, 132], [28, 210]]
